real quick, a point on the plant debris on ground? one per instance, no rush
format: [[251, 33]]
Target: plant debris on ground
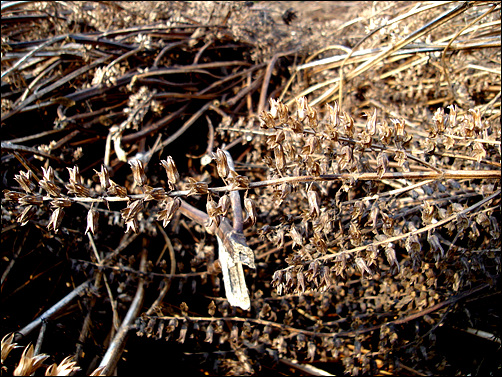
[[251, 188]]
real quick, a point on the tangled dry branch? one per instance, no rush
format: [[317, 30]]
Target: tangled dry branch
[[349, 203]]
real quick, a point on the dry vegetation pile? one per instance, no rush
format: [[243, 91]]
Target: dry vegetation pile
[[251, 188]]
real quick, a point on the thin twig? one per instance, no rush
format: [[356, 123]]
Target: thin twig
[[114, 351]]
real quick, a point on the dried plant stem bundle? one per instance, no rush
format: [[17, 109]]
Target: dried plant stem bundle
[[251, 187]]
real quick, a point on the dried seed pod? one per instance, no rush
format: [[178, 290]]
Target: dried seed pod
[[388, 224], [26, 215], [311, 146], [355, 235], [50, 188], [132, 225], [24, 180], [483, 220], [172, 325], [224, 204], [75, 177], [390, 253], [314, 201], [278, 110], [435, 245], [266, 120], [209, 334], [132, 209], [302, 108], [48, 174], [55, 220], [196, 188], [428, 211], [183, 332], [104, 177], [61, 202], [452, 119], [211, 308], [334, 115], [138, 172], [385, 133], [348, 124], [250, 207], [166, 215], [413, 245], [300, 282], [238, 182], [301, 341], [116, 190], [382, 164], [280, 160], [172, 173], [296, 236], [361, 265], [13, 196], [78, 189], [311, 351], [31, 200], [213, 212], [439, 122], [371, 123], [92, 221], [221, 163], [154, 193]]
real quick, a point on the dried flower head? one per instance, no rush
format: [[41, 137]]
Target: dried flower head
[[8, 345], [166, 215], [92, 221], [138, 172], [221, 163], [29, 362], [172, 173], [104, 177], [55, 220], [65, 368], [24, 180]]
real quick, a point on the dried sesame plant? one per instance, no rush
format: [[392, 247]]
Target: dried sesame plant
[[206, 190]]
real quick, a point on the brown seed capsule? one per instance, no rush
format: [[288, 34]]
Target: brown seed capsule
[[55, 220], [92, 221], [172, 173], [31, 199], [224, 204], [104, 177], [26, 215], [250, 206], [75, 177], [166, 215], [382, 164], [221, 163], [48, 174], [24, 180], [13, 196], [196, 188], [132, 210], [78, 189], [157, 193], [314, 201], [50, 187], [61, 202], [132, 225], [138, 172]]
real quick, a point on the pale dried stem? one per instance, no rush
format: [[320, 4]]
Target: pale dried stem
[[54, 309], [113, 302], [167, 280], [114, 351]]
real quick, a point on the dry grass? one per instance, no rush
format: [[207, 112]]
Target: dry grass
[[234, 188]]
